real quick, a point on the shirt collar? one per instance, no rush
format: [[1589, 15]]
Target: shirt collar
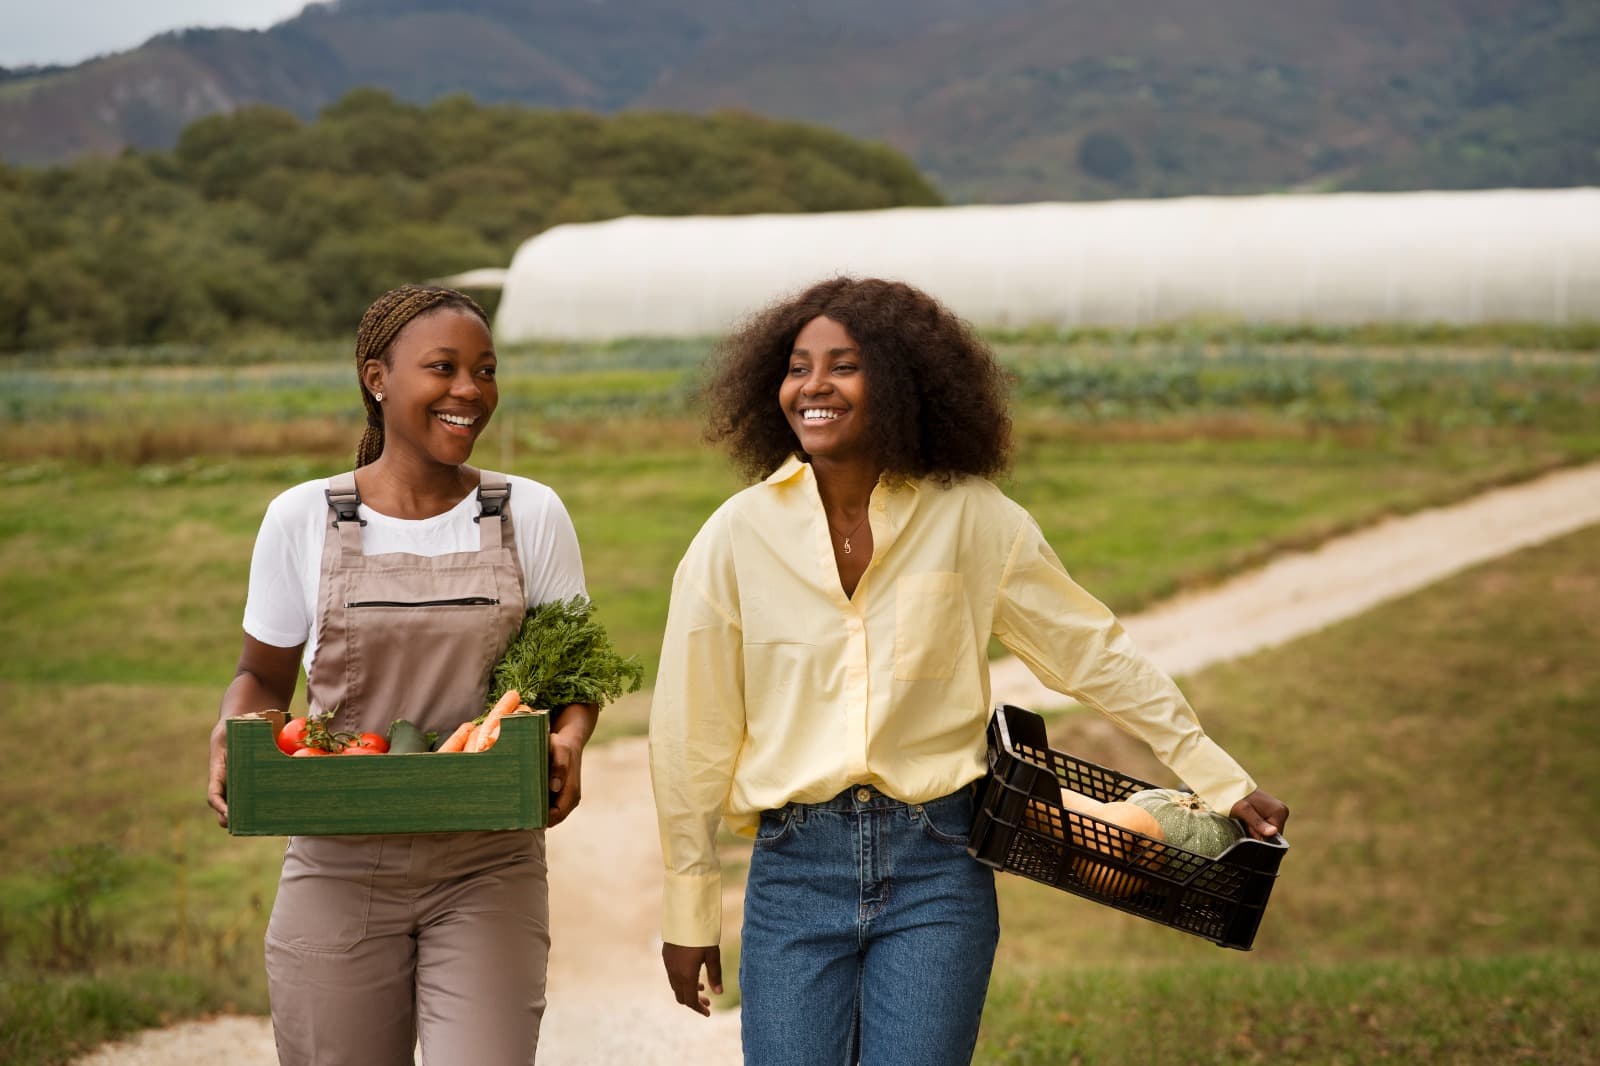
[[794, 467]]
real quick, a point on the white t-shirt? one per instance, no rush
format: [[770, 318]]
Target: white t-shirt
[[286, 567]]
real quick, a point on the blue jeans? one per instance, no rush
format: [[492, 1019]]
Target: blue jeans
[[869, 933]]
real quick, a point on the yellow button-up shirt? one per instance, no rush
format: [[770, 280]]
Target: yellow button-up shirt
[[775, 687]]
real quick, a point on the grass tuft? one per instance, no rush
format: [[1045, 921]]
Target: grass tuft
[[1462, 1012]]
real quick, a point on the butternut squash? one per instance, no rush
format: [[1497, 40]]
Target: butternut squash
[[1103, 877]]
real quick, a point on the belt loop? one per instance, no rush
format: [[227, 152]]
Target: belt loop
[[797, 813]]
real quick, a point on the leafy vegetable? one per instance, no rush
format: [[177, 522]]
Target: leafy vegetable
[[561, 655]]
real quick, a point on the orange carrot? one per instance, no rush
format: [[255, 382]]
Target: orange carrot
[[505, 704], [483, 737], [457, 740]]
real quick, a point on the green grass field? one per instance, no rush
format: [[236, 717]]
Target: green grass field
[[1426, 911], [134, 485], [1489, 1011]]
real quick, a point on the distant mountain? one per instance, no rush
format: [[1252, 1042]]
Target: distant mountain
[[996, 100]]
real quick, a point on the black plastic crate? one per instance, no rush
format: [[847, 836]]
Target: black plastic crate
[[1021, 827]]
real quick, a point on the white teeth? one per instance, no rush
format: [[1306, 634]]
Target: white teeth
[[456, 420], [818, 414]]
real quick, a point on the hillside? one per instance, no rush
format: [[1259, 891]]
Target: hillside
[[1008, 100], [259, 224]]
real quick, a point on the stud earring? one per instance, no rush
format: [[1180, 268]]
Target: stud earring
[[378, 396]]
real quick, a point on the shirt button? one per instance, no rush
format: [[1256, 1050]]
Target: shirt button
[[863, 794]]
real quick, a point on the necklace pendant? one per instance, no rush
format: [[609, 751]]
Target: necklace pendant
[[847, 545]]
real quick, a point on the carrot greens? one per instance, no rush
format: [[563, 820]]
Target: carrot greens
[[561, 655]]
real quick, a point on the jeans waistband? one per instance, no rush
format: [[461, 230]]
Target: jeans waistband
[[868, 798]]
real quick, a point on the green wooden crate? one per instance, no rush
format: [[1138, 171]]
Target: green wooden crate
[[272, 794]]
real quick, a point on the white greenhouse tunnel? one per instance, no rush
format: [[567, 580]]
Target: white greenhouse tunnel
[[1507, 255]]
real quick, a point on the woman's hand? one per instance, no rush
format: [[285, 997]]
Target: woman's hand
[[1262, 814], [217, 783], [264, 680], [683, 974], [572, 727]]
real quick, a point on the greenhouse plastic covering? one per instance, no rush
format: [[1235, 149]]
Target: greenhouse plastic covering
[[1337, 259]]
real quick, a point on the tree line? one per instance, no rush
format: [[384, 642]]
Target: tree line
[[259, 224]]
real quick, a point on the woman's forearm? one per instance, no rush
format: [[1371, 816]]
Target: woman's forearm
[[576, 720], [264, 680], [247, 693]]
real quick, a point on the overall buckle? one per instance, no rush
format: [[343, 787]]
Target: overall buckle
[[345, 506], [492, 501]]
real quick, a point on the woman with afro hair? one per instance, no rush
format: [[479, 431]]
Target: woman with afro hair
[[824, 682]]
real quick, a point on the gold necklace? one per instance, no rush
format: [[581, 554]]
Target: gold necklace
[[852, 533]]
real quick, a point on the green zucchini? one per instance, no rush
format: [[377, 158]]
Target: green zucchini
[[406, 739]]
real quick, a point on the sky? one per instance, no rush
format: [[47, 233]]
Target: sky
[[69, 31]]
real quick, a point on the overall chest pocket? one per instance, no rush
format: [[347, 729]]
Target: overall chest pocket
[[452, 601], [419, 645], [383, 596], [931, 621]]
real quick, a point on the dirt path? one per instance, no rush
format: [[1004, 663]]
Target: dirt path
[[608, 1002], [1302, 592]]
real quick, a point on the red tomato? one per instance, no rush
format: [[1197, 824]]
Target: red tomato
[[368, 742], [292, 737], [356, 749], [306, 753]]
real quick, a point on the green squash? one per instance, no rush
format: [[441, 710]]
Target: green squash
[[1187, 822]]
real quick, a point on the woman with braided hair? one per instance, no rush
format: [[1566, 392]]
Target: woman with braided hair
[[395, 586]]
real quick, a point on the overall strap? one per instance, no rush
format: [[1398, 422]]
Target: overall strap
[[494, 502], [343, 500]]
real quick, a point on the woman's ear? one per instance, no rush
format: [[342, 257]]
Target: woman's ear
[[372, 374]]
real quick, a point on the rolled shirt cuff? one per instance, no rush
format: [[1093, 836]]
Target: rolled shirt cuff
[[691, 910], [1214, 776]]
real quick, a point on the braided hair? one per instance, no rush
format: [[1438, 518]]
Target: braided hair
[[380, 325]]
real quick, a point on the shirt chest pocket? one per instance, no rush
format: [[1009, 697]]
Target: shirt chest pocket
[[931, 624]]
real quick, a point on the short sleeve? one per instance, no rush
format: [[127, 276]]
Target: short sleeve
[[547, 544], [275, 609]]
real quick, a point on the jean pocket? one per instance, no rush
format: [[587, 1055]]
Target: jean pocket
[[947, 820], [774, 828], [325, 895]]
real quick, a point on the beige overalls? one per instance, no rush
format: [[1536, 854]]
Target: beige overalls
[[375, 941]]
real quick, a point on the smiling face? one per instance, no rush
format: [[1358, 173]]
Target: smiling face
[[824, 393], [438, 385]]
